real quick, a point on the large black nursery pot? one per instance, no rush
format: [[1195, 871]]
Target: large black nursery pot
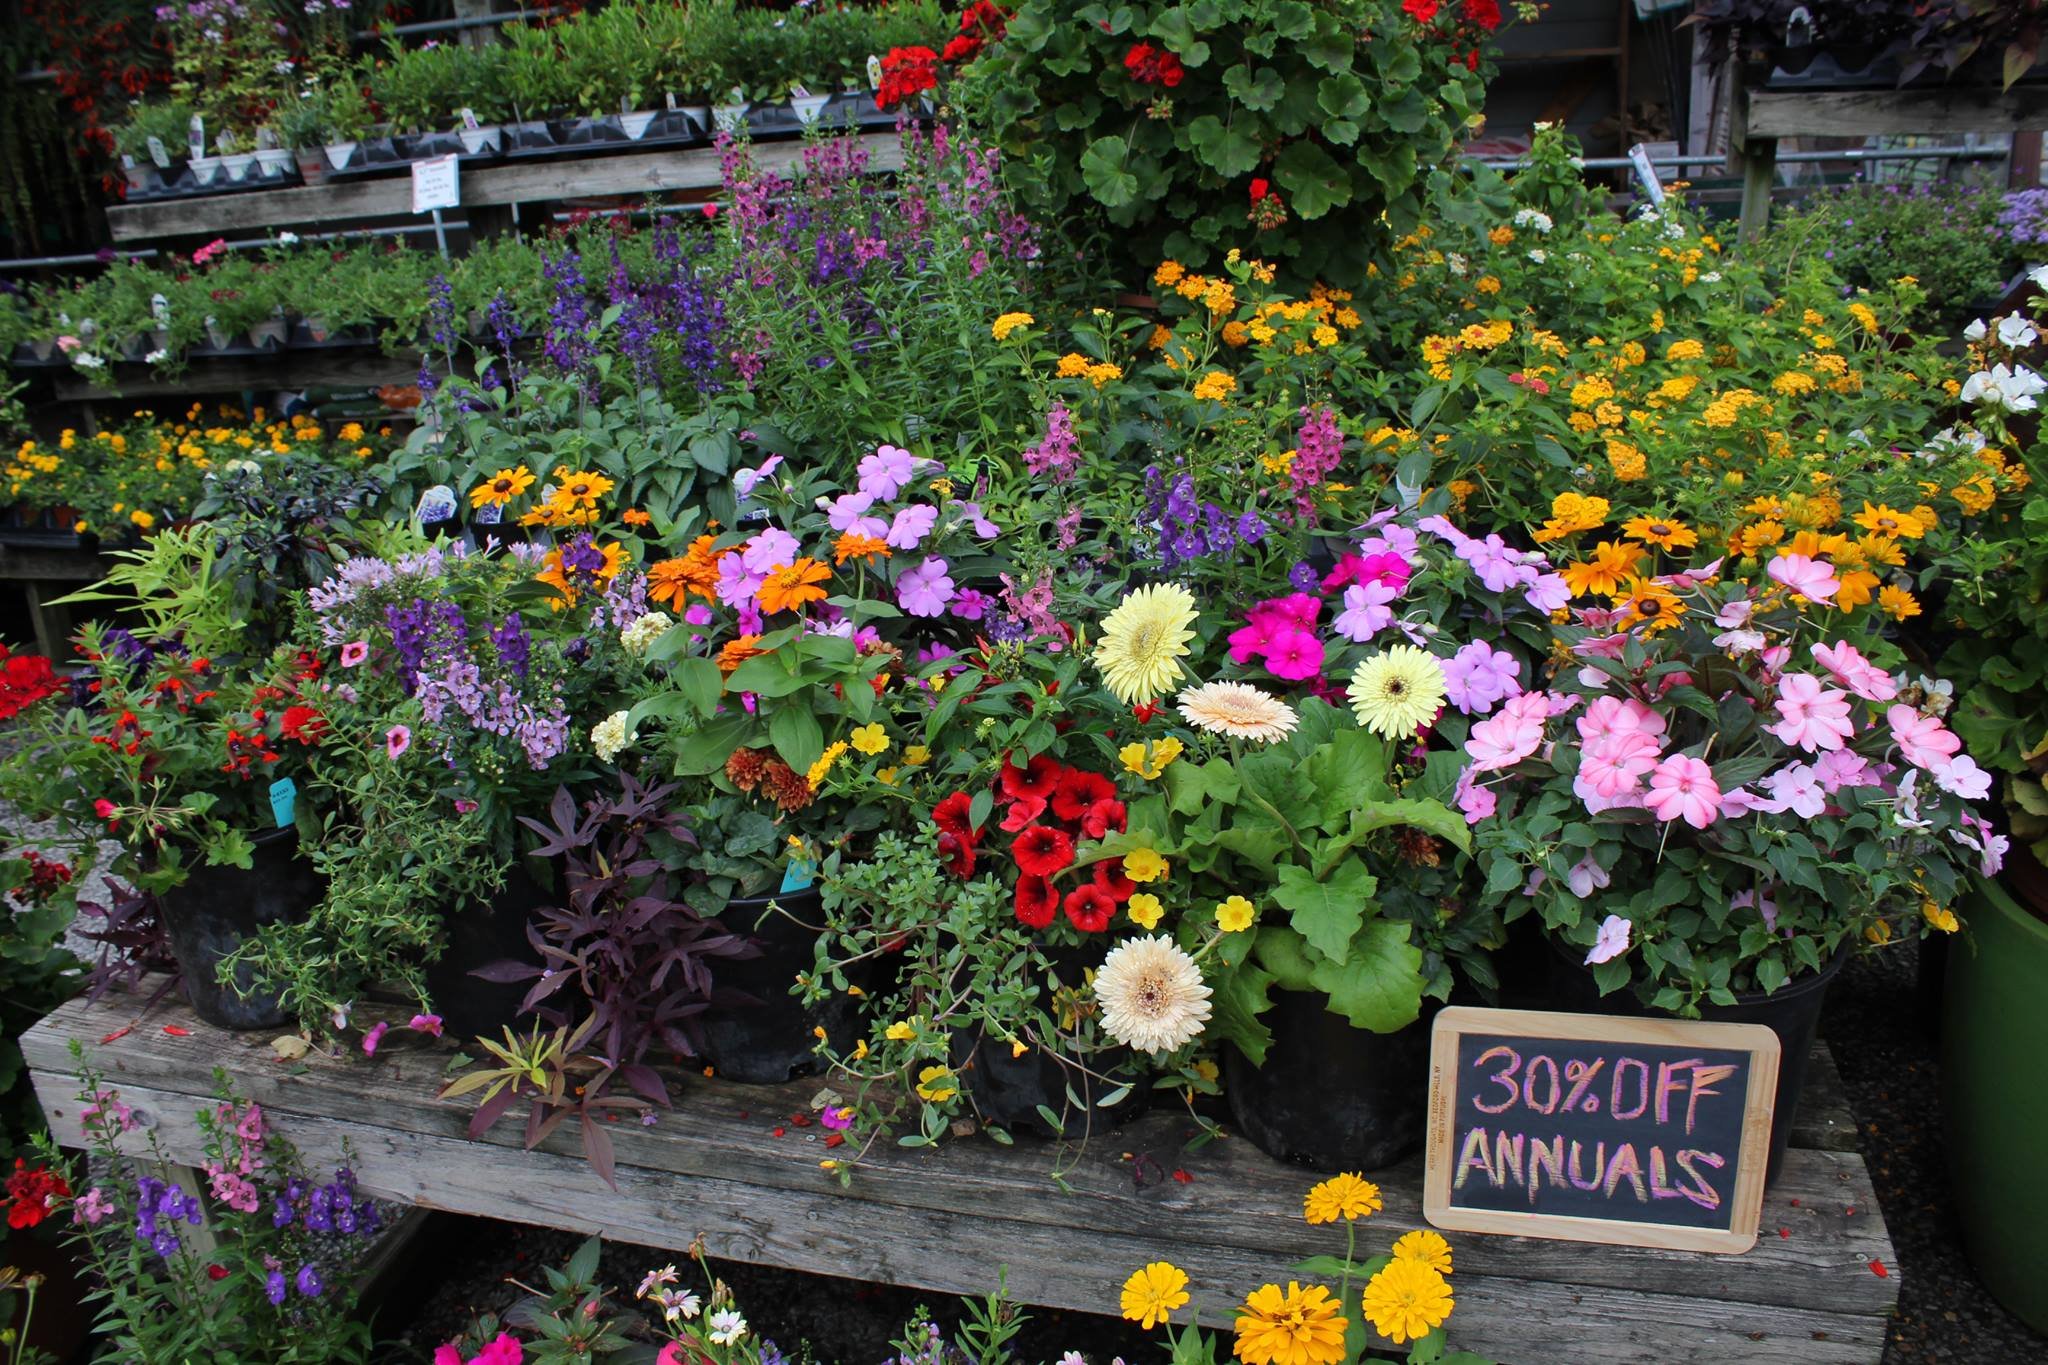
[[769, 1037], [482, 934], [215, 909], [1008, 1090], [1792, 1012], [1331, 1096]]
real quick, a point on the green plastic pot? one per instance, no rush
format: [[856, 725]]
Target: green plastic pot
[[1995, 1022]]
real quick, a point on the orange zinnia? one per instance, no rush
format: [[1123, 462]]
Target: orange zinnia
[[633, 516], [668, 582], [737, 652], [791, 585], [854, 545]]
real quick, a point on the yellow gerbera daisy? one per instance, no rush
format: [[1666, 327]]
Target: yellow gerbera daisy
[[1143, 641], [1397, 692]]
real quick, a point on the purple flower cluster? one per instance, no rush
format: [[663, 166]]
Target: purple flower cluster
[[1319, 449], [423, 630], [2025, 217], [568, 345], [514, 645], [158, 1207], [360, 577], [1190, 530], [456, 684]]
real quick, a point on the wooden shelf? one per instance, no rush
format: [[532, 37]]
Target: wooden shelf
[[305, 367], [945, 1220], [519, 183], [1873, 113]]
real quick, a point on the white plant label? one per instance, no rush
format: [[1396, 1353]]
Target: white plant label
[[159, 153], [436, 184]]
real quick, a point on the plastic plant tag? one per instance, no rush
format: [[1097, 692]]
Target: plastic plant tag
[[437, 504], [874, 72], [159, 153], [490, 514], [160, 309], [798, 92], [798, 875], [671, 95], [284, 799], [469, 119], [195, 136]]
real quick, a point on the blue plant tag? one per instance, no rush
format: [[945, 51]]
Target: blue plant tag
[[284, 798], [437, 504], [798, 875], [490, 514]]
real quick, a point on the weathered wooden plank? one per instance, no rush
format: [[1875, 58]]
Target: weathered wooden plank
[[50, 563], [1237, 1197], [1824, 1119], [304, 368], [1867, 113], [516, 183], [957, 1249]]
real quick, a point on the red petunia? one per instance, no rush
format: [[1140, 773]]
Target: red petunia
[[1036, 902], [1038, 779], [955, 815], [1484, 14], [1090, 908], [1041, 851], [1078, 790], [958, 853], [1111, 881], [1102, 819], [1022, 813]]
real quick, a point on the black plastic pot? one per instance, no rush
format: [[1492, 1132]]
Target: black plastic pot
[[768, 1037], [215, 909], [483, 934], [1007, 1090], [1330, 1096], [1793, 1013]]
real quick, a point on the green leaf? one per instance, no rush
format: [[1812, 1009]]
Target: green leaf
[[1189, 786], [700, 681], [1432, 817], [796, 735], [1105, 170], [1176, 28], [1343, 96], [1314, 182], [1327, 913], [1257, 91], [1240, 997], [1379, 986], [1222, 148]]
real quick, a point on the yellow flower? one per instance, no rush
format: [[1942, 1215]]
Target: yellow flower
[[1857, 588], [1897, 602], [1425, 1247], [1145, 865], [900, 1032], [933, 1084], [1098, 375], [1940, 916], [1153, 1292], [1649, 604], [823, 767], [142, 518], [1144, 909], [1792, 383], [1887, 521], [1168, 274], [1407, 1300], [870, 739], [1397, 691], [1628, 463], [1604, 573], [1216, 385], [578, 492], [1668, 532], [1345, 1196], [916, 755], [501, 487], [1295, 1327], [1008, 323], [1235, 915], [1685, 350], [1073, 365], [1143, 640], [1864, 316], [1148, 759]]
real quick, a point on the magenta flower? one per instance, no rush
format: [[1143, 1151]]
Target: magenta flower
[[971, 604], [1479, 676], [1498, 566], [1255, 637], [848, 512], [354, 652], [1611, 942], [1683, 788], [1366, 611], [429, 1024], [838, 1118], [1815, 717], [911, 525], [1474, 801], [970, 512], [925, 589], [744, 480], [397, 740], [884, 473], [1295, 656], [1923, 740], [1506, 739], [374, 1037], [93, 1209], [735, 584], [1847, 666], [1805, 577]]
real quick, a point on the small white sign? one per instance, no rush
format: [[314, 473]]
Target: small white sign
[[1639, 156], [435, 184], [159, 153]]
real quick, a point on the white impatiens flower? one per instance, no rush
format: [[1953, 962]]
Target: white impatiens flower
[[1533, 218], [1977, 330], [727, 1327], [2016, 332], [287, 239], [1152, 994], [1238, 710], [2038, 276], [609, 736], [644, 631], [1538, 255], [86, 360], [2009, 387]]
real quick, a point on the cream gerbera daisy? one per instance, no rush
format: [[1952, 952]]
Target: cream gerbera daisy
[[1143, 640], [1152, 994], [1238, 710], [1397, 691]]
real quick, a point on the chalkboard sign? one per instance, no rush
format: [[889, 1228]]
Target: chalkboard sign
[[1597, 1128]]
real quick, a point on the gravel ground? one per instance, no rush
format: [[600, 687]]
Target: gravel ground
[[1881, 1026]]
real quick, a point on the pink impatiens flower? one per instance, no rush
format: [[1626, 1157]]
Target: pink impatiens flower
[[1923, 740], [1586, 876], [911, 525], [1611, 770], [1683, 788], [1611, 942], [1961, 775], [1847, 666], [1795, 787], [1506, 739], [1366, 611], [1805, 577], [1815, 717], [1610, 716], [1478, 676], [1295, 655], [925, 589], [1474, 801], [884, 473]]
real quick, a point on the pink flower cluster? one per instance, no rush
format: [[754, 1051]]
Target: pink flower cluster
[[1280, 633], [503, 1350]]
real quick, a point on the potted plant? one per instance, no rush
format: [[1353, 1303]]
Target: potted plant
[[535, 81], [237, 154], [1756, 797], [152, 142]]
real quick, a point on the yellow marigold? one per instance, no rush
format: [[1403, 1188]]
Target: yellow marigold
[[1685, 350], [1216, 385], [1008, 323], [1295, 1327], [1346, 1196]]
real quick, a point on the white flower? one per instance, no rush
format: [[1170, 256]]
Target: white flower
[[609, 736], [1978, 330], [727, 1327], [683, 1306], [1454, 262], [2009, 387], [156, 357], [1533, 218], [2016, 332], [1538, 255], [1961, 775], [287, 239], [1152, 994], [86, 360], [2039, 276], [1236, 709], [1711, 277], [645, 631]]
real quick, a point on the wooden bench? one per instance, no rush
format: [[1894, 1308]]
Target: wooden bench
[[944, 1220]]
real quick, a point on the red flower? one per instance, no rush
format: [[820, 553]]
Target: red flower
[[1039, 779], [1144, 711], [954, 815], [1260, 189], [1023, 812], [1472, 60], [985, 18], [1036, 902], [1111, 881], [1149, 65], [216, 1272], [1041, 851], [304, 724], [1101, 818], [25, 679], [961, 48], [1421, 11], [906, 71], [958, 853], [1078, 790], [1483, 14], [33, 1194], [1090, 908], [104, 809]]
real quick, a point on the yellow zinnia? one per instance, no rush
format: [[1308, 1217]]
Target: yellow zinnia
[[1345, 1196], [1153, 1292], [1407, 1300], [1425, 1247], [1295, 1327]]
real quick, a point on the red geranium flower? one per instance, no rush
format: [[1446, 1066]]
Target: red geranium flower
[[25, 679], [1483, 14], [985, 18], [1090, 908], [1421, 11], [906, 71], [1041, 851], [1260, 189], [1149, 65], [961, 48], [1036, 902], [33, 1194]]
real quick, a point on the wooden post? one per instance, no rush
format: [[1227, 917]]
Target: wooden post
[[2023, 166], [1759, 171]]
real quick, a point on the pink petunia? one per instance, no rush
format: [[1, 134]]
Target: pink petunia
[[1805, 577], [397, 740], [1814, 717], [354, 652], [1847, 666], [1683, 788], [1923, 740]]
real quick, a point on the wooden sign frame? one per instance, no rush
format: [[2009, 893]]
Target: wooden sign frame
[[1745, 1204]]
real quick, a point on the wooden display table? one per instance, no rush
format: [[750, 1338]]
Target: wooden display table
[[944, 1220]]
